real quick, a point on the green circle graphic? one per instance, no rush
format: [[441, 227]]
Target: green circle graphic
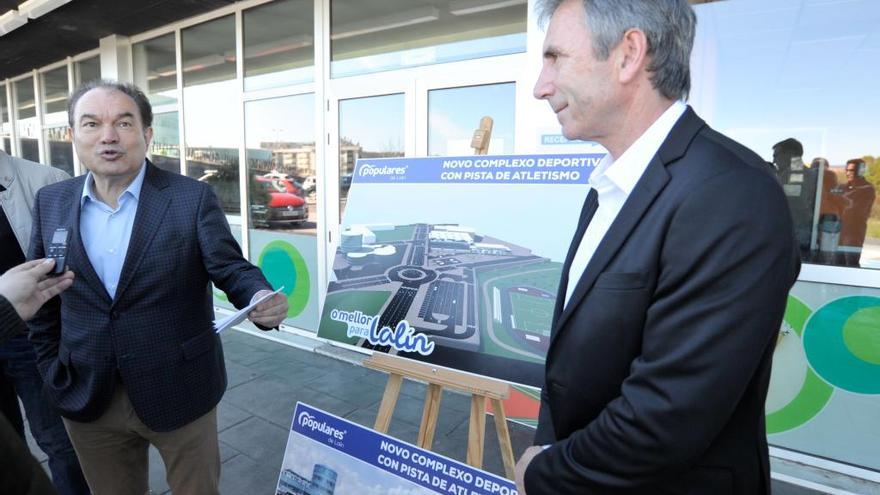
[[283, 265], [826, 338], [814, 393], [861, 334]]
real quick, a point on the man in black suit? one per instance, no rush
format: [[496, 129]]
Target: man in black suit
[[675, 284], [129, 355]]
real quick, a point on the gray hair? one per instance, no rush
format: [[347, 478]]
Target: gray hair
[[669, 26], [133, 92]]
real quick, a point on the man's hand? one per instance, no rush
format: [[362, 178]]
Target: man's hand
[[519, 473], [271, 312], [27, 286]]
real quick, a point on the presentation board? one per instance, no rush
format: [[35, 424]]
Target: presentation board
[[456, 260]]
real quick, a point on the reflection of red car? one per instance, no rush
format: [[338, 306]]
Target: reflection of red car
[[282, 208], [283, 185]]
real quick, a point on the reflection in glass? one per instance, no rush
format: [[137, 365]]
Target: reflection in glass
[[5, 128], [155, 69], [28, 126], [87, 70], [369, 127], [280, 142], [165, 146], [856, 197], [375, 35], [454, 114], [279, 44], [55, 90], [59, 148], [802, 67], [209, 91]]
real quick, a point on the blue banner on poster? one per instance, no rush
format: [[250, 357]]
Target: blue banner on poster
[[495, 169], [343, 457]]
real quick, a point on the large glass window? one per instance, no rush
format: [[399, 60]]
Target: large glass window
[[369, 127], [211, 110], [58, 146], [280, 139], [454, 114], [375, 35], [155, 69], [165, 146], [5, 126], [87, 70], [802, 67], [281, 168], [279, 44], [28, 125]]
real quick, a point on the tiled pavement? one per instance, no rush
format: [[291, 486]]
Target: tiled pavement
[[267, 378]]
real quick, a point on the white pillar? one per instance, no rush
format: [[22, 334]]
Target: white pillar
[[116, 58]]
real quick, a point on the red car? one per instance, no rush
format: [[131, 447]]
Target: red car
[[283, 207]]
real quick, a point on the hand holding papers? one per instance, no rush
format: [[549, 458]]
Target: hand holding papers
[[240, 315]]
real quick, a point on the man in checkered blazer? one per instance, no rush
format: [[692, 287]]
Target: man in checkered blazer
[[128, 354]]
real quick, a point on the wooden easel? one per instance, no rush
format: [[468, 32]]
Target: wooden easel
[[479, 388]]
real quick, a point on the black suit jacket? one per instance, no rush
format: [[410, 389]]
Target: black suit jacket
[[659, 365], [157, 333]]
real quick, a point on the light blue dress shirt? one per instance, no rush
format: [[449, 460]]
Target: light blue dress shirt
[[105, 232]]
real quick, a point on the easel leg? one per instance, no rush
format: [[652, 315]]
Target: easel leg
[[476, 431], [389, 401], [503, 437], [429, 416]]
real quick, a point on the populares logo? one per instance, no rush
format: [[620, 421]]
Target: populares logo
[[368, 170], [308, 421]]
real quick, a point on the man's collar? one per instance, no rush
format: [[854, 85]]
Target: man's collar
[[134, 189], [626, 171]]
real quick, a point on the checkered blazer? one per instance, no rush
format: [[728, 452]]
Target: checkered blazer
[[156, 335]]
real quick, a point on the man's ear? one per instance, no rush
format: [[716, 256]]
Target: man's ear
[[631, 55], [70, 134], [148, 136]]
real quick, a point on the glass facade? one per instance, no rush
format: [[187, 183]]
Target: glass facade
[[59, 150], [281, 170], [165, 146], [369, 127], [5, 125], [803, 67], [26, 119], [375, 35], [86, 70], [209, 91], [154, 67], [279, 44], [454, 114]]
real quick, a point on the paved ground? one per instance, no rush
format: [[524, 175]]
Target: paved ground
[[267, 378]]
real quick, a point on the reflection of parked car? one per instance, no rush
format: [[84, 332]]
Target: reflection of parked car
[[283, 185], [271, 204], [310, 184], [345, 181], [225, 186], [282, 207]]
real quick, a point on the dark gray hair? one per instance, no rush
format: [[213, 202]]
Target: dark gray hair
[[669, 26], [143, 104]]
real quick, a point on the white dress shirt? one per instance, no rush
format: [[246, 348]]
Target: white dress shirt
[[613, 182]]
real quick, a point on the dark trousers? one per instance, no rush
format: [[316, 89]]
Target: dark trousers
[[18, 369]]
